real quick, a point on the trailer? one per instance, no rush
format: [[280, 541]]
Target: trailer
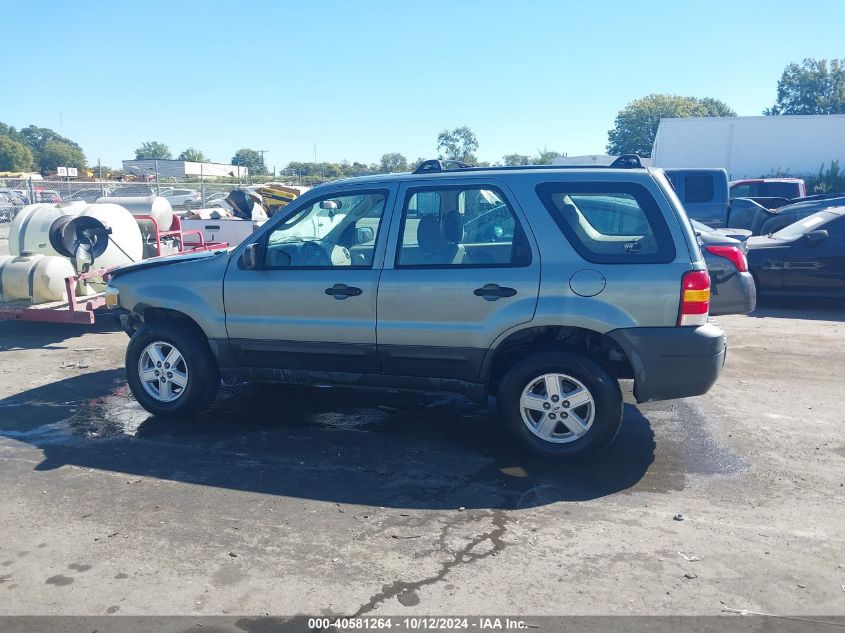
[[751, 146], [82, 310]]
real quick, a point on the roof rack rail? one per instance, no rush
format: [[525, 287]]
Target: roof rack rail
[[629, 161], [440, 165]]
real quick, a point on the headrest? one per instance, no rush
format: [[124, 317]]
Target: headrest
[[453, 227], [429, 236]]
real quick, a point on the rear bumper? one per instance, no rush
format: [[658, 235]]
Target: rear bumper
[[673, 362], [733, 294]]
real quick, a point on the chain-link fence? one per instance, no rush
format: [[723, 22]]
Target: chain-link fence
[[182, 195]]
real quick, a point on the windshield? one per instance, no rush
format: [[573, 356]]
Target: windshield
[[810, 223]]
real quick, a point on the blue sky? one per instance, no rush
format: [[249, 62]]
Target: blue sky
[[359, 79]]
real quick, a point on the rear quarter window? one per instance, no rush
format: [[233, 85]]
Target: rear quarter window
[[698, 188], [608, 222]]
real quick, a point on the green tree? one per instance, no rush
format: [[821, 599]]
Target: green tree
[[193, 155], [12, 133], [512, 160], [458, 144], [811, 88], [40, 139], [636, 124], [153, 150], [542, 157], [545, 156], [251, 159], [14, 155], [393, 163], [59, 154]]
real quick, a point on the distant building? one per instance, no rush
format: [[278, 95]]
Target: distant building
[[592, 159], [183, 169]]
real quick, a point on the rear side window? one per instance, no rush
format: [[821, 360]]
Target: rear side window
[[698, 188], [609, 223], [747, 190], [460, 226]]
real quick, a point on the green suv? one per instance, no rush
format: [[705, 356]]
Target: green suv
[[540, 286]]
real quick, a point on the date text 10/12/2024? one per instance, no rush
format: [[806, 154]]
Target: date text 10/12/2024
[[481, 623]]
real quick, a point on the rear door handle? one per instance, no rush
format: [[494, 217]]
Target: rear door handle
[[342, 291], [492, 292]]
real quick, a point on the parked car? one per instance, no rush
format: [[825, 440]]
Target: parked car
[[90, 195], [732, 286], [48, 195], [789, 214], [214, 197], [23, 195], [704, 194], [768, 188], [182, 198], [398, 294], [8, 207], [804, 258], [134, 191]]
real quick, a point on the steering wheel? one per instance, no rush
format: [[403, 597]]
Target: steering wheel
[[315, 255]]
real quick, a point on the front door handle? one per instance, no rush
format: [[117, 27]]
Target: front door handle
[[342, 291], [492, 292]]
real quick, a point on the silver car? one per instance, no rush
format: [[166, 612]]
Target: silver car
[[182, 198], [731, 283], [541, 286]]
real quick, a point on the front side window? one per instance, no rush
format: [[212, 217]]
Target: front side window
[[460, 226], [609, 223], [334, 231], [747, 190]]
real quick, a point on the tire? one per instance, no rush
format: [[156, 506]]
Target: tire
[[598, 419], [196, 367]]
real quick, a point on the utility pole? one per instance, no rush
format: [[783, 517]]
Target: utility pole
[[262, 151]]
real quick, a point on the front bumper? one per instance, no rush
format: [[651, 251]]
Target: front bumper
[[673, 362]]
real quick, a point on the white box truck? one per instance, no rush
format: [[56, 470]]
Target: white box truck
[[752, 146]]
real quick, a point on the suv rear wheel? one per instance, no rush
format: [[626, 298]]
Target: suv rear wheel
[[561, 404], [170, 369]]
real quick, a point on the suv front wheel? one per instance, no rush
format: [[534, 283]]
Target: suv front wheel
[[170, 369], [561, 404]]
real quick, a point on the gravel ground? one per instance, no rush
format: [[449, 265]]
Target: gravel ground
[[288, 500]]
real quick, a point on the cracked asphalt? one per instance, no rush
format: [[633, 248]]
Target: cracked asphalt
[[289, 500]]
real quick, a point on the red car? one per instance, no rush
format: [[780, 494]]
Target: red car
[[768, 188]]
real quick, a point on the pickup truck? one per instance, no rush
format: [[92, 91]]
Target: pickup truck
[[709, 198], [704, 194]]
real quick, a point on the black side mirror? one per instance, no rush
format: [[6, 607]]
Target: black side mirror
[[249, 258], [364, 235], [814, 237]]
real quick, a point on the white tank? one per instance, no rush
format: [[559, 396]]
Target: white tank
[[30, 230], [125, 243], [156, 206], [38, 278]]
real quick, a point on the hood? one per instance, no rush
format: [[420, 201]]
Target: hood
[[169, 260]]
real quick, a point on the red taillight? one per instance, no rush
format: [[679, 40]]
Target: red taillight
[[733, 253], [695, 298]]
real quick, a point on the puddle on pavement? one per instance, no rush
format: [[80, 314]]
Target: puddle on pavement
[[387, 448]]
